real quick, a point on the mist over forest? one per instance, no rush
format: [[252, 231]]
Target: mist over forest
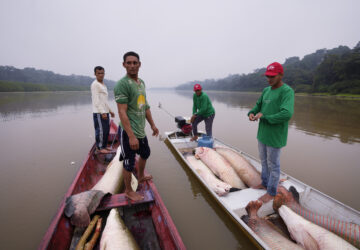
[[332, 71], [30, 79]]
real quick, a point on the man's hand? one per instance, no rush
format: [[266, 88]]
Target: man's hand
[[251, 117], [258, 116], [112, 114], [192, 118], [134, 143], [104, 116], [155, 130]]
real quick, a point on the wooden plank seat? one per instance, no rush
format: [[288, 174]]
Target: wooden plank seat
[[120, 200]]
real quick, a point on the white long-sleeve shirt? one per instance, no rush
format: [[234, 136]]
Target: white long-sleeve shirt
[[99, 96]]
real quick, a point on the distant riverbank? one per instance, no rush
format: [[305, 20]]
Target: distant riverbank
[[8, 86], [18, 87], [342, 96]]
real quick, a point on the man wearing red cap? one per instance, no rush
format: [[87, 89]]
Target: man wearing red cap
[[274, 109], [202, 110]]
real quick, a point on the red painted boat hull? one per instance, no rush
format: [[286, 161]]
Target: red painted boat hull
[[60, 231]]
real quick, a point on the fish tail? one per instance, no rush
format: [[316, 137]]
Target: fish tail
[[233, 189], [295, 193], [246, 218], [253, 207]]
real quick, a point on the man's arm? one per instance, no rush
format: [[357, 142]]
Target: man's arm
[[110, 111], [134, 142], [194, 107], [254, 114], [151, 122], [96, 98], [205, 100]]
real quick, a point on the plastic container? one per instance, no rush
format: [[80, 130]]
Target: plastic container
[[206, 141]]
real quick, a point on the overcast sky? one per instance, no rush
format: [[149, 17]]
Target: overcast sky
[[178, 41]]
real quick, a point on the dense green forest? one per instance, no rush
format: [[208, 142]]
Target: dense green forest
[[29, 79], [331, 71]]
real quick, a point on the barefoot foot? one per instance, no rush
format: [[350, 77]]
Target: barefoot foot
[[145, 178], [194, 138], [103, 151], [260, 187], [266, 198]]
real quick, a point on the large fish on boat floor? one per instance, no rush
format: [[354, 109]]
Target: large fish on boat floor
[[347, 230], [247, 172], [309, 235], [267, 231], [219, 166], [80, 206], [116, 235], [218, 186]]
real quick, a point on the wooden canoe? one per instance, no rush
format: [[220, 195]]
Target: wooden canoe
[[234, 203], [166, 236]]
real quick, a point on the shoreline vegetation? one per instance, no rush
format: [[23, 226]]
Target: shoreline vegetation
[[21, 87], [10, 86], [333, 72], [325, 72]]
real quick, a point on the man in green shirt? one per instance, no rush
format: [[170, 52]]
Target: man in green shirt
[[202, 110], [274, 109], [133, 108]]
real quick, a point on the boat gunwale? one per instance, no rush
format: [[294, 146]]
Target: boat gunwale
[[158, 202], [296, 180], [57, 217], [247, 229]]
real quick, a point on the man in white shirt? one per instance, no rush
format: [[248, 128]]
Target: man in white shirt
[[101, 110]]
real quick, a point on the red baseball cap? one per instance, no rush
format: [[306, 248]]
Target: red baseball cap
[[197, 87], [274, 69]]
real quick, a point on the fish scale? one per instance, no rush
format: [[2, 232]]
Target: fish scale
[[219, 166], [348, 231]]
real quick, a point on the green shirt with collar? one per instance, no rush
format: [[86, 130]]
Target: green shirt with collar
[[202, 105], [277, 107], [128, 91]]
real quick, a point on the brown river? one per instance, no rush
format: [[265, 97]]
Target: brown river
[[45, 138]]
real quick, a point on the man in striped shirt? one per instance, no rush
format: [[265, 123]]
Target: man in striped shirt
[[101, 110]]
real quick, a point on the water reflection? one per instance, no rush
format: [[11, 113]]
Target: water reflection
[[328, 117], [200, 192], [16, 105]]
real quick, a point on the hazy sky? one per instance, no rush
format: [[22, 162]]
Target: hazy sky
[[178, 41]]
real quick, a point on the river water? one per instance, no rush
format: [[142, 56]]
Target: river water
[[45, 138]]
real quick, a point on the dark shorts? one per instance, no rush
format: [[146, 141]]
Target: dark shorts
[[127, 154]]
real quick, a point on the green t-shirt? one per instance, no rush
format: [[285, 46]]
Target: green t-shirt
[[202, 105], [277, 107], [128, 91]]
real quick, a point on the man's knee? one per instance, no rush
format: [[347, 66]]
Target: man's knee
[[145, 154], [129, 164]]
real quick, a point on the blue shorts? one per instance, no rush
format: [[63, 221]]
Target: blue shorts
[[127, 154]]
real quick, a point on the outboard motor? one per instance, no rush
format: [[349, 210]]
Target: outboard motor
[[185, 127]]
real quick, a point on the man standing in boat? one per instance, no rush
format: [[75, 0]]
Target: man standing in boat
[[101, 110], [133, 109], [202, 110], [274, 109]]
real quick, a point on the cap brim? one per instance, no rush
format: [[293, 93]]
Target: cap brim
[[270, 74]]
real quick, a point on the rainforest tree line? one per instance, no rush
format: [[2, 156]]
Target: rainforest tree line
[[332, 71], [29, 79], [325, 71]]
